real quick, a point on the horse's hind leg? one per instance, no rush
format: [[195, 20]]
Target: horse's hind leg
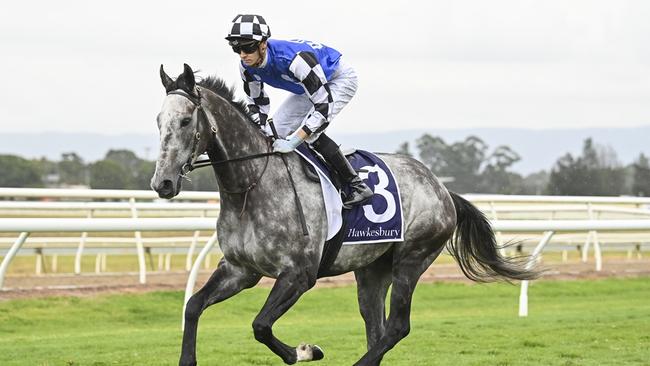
[[406, 272], [226, 281], [372, 285], [287, 290]]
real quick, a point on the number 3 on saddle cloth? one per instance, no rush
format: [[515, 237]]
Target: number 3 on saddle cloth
[[377, 221]]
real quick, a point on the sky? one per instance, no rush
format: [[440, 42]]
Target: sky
[[92, 66]]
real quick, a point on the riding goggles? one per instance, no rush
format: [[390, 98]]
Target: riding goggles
[[248, 47]]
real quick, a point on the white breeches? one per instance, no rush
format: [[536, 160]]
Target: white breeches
[[294, 110]]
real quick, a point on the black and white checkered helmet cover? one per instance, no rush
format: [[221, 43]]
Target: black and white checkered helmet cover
[[249, 26]]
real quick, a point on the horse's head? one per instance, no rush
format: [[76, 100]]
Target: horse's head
[[180, 131]]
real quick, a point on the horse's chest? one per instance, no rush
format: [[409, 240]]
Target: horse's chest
[[243, 248]]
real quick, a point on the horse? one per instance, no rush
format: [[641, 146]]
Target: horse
[[260, 233]]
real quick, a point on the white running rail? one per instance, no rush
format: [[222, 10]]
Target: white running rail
[[498, 204], [26, 226], [101, 194], [550, 227]]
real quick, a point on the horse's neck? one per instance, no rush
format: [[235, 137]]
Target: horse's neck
[[236, 137]]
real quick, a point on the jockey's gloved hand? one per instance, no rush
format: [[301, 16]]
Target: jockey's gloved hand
[[287, 145]]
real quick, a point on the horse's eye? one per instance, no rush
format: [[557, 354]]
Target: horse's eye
[[185, 122]]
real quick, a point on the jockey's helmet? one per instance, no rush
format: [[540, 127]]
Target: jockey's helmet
[[249, 26]]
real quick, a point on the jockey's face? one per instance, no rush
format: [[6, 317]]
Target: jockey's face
[[255, 58]]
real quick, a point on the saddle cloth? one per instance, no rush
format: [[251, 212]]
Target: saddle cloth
[[379, 220]]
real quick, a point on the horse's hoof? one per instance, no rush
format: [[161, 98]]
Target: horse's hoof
[[317, 352], [307, 352]]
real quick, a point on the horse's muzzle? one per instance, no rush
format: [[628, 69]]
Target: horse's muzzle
[[165, 189]]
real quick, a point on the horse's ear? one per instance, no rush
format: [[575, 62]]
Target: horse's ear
[[188, 78], [166, 80]]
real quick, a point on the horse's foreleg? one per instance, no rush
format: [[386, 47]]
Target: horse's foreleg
[[372, 285], [287, 290], [226, 281]]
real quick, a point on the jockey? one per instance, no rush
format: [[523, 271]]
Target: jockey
[[321, 85]]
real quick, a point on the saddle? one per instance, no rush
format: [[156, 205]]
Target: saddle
[[310, 171]]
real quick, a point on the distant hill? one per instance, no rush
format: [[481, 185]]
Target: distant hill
[[539, 149]]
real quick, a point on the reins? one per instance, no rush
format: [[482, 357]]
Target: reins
[[190, 165]]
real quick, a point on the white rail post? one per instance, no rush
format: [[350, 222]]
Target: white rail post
[[55, 263], [191, 280], [585, 248], [190, 252], [98, 263], [598, 254], [104, 255], [523, 293], [10, 256], [168, 262], [80, 249], [39, 262], [139, 246]]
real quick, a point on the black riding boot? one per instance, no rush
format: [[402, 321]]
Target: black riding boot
[[333, 155]]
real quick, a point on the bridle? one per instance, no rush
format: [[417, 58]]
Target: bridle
[[191, 164]]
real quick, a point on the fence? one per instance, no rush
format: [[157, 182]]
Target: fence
[[595, 211], [123, 194], [549, 228], [192, 204], [27, 226]]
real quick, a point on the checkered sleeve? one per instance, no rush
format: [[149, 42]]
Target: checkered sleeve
[[306, 69], [256, 97]]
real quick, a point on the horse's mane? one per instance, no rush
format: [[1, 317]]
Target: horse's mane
[[219, 87]]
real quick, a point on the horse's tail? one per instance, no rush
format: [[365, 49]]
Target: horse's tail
[[475, 248]]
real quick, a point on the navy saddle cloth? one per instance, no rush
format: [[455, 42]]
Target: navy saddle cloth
[[377, 221]]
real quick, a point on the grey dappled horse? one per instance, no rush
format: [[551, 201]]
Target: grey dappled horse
[[260, 234]]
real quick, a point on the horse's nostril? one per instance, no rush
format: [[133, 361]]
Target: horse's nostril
[[165, 189], [166, 184]]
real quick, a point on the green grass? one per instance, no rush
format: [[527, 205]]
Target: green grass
[[604, 322]]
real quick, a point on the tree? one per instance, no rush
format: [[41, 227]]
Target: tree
[[125, 158], [72, 169], [138, 171], [19, 173], [143, 173], [202, 180], [595, 173], [464, 161], [404, 149], [567, 177], [535, 183], [641, 180], [496, 178], [107, 174], [469, 165], [434, 153]]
